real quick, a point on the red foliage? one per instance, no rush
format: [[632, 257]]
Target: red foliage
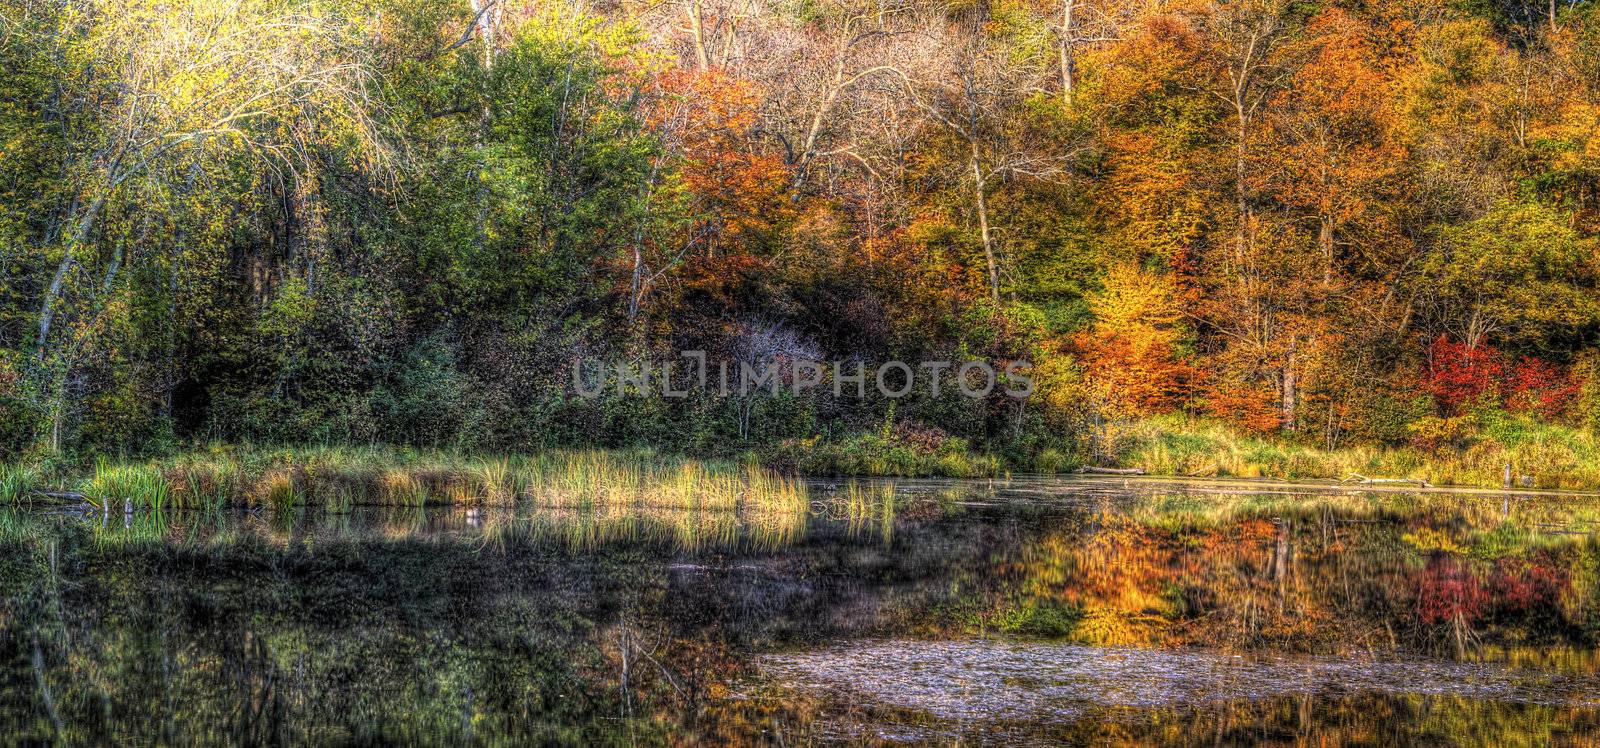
[[1458, 374], [1542, 387], [1450, 591], [1521, 585]]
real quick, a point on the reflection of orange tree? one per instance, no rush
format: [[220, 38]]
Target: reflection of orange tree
[[1242, 586], [1309, 578], [1117, 581], [1105, 585]]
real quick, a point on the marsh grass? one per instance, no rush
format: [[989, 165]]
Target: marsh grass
[[1542, 519], [277, 489], [17, 481], [1549, 455], [115, 485], [339, 478], [611, 495]]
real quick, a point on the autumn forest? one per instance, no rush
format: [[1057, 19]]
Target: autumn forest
[[1241, 237]]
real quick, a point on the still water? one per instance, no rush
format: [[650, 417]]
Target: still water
[[1032, 611]]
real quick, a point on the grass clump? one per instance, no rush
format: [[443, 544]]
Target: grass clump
[[277, 489], [136, 486], [17, 481]]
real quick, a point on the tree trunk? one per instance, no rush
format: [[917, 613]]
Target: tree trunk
[[979, 185], [47, 306], [1289, 385], [638, 285], [1241, 191], [814, 129], [1325, 240], [1069, 60], [488, 28], [697, 33]]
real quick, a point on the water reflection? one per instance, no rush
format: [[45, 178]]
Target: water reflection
[[982, 611]]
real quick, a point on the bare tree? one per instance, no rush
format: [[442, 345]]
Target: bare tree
[[854, 51], [974, 95], [1084, 23], [764, 345]]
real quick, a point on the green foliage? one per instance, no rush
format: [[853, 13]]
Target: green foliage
[[875, 454], [1519, 271]]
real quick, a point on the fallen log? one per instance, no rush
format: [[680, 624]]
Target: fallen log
[[1088, 469], [1363, 480], [65, 495]]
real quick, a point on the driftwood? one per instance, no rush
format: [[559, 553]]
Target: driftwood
[[1087, 469], [1365, 481], [66, 495]]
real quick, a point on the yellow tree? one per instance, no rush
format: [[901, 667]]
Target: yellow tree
[[1132, 351]]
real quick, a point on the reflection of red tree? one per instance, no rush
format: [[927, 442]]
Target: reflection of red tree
[[1521, 585], [1450, 592]]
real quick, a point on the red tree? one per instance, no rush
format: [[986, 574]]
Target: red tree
[[1459, 374], [1542, 387]]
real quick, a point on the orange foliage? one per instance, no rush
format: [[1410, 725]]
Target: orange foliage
[[1334, 154], [710, 118], [1248, 405], [1131, 353]]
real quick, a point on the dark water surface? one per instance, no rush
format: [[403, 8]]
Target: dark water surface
[[1035, 611]]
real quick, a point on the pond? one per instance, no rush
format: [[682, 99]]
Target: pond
[[1027, 611]]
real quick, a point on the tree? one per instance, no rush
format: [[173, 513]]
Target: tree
[[1333, 152], [1248, 49], [1084, 24], [976, 98], [1131, 353], [1519, 273], [199, 83]]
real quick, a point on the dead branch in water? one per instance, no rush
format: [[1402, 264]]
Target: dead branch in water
[[1087, 469], [1365, 481]]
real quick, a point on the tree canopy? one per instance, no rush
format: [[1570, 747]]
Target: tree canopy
[[395, 220]]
